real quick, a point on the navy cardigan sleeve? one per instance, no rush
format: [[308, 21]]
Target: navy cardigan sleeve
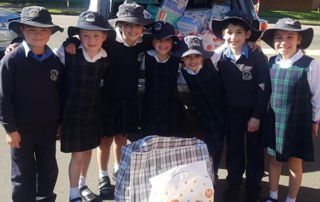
[[263, 84], [7, 115]]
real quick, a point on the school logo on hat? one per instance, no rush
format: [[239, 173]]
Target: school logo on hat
[[90, 18], [194, 42], [290, 21], [34, 12], [54, 75], [157, 26]]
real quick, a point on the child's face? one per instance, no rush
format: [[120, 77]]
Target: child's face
[[36, 37], [92, 40], [286, 42], [193, 61], [235, 36], [131, 32], [162, 46]]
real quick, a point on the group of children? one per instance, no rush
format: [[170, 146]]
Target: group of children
[[87, 95]]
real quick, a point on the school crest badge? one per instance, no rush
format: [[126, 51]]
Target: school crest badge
[[54, 75], [246, 71]]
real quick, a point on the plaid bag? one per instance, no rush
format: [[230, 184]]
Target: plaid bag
[[152, 156]]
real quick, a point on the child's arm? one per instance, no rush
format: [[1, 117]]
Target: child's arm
[[263, 89], [313, 80], [7, 116]]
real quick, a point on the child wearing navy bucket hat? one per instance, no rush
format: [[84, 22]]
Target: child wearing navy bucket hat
[[29, 109], [246, 82], [206, 89], [162, 111], [81, 101], [294, 111]]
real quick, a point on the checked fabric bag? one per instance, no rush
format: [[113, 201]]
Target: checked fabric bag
[[152, 156]]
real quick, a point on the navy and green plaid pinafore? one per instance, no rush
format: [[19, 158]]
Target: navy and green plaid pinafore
[[289, 121]]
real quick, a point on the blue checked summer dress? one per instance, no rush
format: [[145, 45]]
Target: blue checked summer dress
[[289, 121]]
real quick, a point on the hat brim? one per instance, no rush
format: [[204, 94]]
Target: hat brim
[[15, 26], [147, 38], [134, 20], [74, 30], [307, 36], [184, 53], [218, 25]]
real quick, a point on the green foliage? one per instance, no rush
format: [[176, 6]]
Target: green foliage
[[312, 17]]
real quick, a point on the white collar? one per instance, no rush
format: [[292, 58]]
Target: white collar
[[101, 54], [288, 63], [120, 39], [153, 53], [189, 71]]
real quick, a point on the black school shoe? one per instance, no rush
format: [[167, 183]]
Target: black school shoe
[[253, 199], [88, 196], [270, 199], [106, 189], [231, 193]]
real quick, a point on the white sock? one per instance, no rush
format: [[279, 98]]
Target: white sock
[[103, 173], [115, 168], [274, 194], [288, 199], [74, 192], [82, 181]]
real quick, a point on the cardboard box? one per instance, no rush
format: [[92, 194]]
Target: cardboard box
[[175, 6], [161, 14], [189, 24]]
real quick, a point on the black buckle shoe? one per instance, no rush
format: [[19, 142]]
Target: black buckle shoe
[[253, 199], [270, 199], [106, 189], [88, 196]]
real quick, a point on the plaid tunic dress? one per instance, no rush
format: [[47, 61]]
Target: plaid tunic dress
[[289, 119], [161, 109], [206, 90], [82, 103]]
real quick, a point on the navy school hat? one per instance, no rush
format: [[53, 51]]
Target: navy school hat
[[34, 16], [192, 45], [238, 17], [131, 13], [160, 30], [289, 24], [89, 20]]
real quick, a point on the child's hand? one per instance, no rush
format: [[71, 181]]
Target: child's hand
[[59, 132], [14, 139], [11, 47], [253, 125], [315, 129], [70, 48], [254, 46]]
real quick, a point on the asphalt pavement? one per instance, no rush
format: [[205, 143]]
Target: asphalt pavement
[[310, 188]]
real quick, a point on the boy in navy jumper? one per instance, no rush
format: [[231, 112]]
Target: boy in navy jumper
[[246, 84], [29, 107]]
